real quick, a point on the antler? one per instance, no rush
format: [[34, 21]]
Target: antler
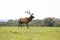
[[32, 14], [28, 11]]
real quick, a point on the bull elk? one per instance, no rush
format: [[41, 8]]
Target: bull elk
[[25, 20]]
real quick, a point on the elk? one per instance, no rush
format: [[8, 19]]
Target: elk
[[26, 19]]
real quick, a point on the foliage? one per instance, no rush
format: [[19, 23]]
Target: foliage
[[44, 22], [48, 21]]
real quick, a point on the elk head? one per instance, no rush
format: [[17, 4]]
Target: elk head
[[31, 15]]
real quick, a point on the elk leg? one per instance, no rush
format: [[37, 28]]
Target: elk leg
[[21, 24], [18, 25], [27, 25]]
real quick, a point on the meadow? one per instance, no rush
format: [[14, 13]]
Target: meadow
[[33, 33]]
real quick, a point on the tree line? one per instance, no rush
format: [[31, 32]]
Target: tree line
[[50, 22]]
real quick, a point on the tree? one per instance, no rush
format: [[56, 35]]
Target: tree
[[57, 23], [12, 22], [48, 21]]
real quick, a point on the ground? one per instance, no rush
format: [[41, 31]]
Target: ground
[[33, 33]]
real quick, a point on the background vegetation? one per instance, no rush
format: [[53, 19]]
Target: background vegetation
[[52, 22]]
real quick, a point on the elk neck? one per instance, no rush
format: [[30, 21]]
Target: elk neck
[[30, 18]]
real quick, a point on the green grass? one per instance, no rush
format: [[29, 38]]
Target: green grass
[[33, 33]]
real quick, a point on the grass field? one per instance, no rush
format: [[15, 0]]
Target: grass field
[[33, 33]]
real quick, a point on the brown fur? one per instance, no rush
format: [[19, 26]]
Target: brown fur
[[25, 20]]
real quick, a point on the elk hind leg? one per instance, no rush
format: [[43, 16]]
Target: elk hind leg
[[27, 25], [18, 25], [21, 24]]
